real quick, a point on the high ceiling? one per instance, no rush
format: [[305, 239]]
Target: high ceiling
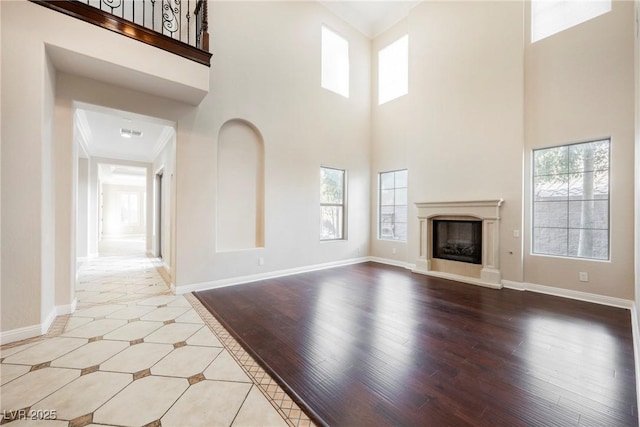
[[100, 129], [371, 17]]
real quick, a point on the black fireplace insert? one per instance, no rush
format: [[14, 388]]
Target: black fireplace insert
[[458, 240]]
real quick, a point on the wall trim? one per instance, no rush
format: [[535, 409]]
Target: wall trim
[[393, 262], [62, 310], [232, 281], [20, 334], [571, 294], [44, 326], [32, 331]]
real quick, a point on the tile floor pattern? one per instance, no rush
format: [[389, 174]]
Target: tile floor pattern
[[133, 354]]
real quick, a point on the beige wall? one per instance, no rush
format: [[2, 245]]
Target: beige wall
[[637, 170], [580, 87], [268, 74], [82, 219], [165, 162], [479, 97], [391, 148], [21, 162], [459, 130], [37, 258], [303, 127], [240, 189]]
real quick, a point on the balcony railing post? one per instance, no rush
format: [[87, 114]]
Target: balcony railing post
[[205, 26], [202, 25]]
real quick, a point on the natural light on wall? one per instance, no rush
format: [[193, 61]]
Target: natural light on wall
[[549, 17], [393, 70], [335, 63]]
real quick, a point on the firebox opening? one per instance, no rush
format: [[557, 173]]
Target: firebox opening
[[458, 240]]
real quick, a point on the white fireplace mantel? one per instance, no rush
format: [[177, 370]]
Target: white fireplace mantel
[[488, 211]]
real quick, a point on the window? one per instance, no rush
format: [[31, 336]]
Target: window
[[549, 17], [392, 218], [571, 200], [335, 63], [128, 204], [393, 70], [332, 196]]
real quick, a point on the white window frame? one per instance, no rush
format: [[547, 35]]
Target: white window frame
[[342, 207], [381, 235], [534, 226]]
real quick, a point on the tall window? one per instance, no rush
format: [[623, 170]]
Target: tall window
[[571, 200], [129, 206], [393, 70], [549, 17], [335, 63], [332, 197], [392, 223]]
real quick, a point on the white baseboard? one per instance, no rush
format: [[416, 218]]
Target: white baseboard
[[48, 321], [178, 290], [32, 331], [568, 293], [518, 286], [393, 262], [20, 334], [61, 310]]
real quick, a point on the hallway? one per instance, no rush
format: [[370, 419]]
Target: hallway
[[133, 354]]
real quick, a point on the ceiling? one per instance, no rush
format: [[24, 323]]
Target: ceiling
[[99, 131], [371, 17], [122, 175]]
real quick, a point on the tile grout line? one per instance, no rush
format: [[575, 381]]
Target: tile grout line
[[244, 359]]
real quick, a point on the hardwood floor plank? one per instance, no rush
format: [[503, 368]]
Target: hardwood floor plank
[[370, 344]]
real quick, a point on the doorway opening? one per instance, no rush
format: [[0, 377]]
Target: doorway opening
[[122, 209], [125, 190]]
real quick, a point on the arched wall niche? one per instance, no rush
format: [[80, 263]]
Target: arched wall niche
[[240, 187]]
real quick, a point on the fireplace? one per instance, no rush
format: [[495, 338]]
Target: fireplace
[[458, 240]]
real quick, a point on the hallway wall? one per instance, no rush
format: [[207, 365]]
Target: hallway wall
[[303, 126]]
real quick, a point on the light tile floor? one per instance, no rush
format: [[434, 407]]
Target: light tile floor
[[133, 354]]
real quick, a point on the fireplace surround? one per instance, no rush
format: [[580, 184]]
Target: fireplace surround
[[470, 251]]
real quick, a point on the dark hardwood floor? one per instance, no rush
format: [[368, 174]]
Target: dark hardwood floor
[[369, 345]]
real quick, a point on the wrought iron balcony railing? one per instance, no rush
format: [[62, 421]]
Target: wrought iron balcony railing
[[177, 26]]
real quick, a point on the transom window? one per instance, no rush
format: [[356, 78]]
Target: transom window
[[571, 200], [549, 17], [332, 203], [393, 70], [392, 217], [335, 63]]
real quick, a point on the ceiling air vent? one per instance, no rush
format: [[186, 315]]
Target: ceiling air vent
[[128, 133]]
